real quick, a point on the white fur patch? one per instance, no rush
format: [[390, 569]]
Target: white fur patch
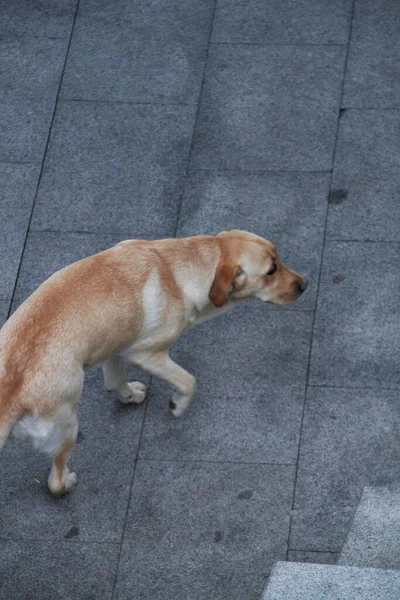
[[153, 303], [46, 436], [196, 294]]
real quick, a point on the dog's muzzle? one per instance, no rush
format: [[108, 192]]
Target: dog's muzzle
[[302, 286]]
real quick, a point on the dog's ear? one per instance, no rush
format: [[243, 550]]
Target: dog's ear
[[226, 278]]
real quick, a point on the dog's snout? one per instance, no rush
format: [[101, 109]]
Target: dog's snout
[[302, 285]]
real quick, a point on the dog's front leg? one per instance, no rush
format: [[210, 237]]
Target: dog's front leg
[[161, 365], [115, 381]]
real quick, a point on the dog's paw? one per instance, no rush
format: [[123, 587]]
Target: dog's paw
[[175, 409], [131, 393], [137, 393], [68, 483]]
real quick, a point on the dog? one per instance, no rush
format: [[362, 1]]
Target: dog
[[127, 304]]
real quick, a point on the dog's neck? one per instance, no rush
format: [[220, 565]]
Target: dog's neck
[[202, 308], [195, 273], [196, 297]]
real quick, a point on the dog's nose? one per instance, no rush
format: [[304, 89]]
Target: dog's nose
[[302, 285]]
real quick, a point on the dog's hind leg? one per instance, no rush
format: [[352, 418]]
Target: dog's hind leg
[[61, 480], [115, 381], [6, 425]]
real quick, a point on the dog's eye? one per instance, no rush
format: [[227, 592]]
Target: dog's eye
[[273, 269]]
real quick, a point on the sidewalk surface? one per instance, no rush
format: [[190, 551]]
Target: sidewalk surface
[[155, 118]]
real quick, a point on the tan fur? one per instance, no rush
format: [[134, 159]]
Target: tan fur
[[127, 304]]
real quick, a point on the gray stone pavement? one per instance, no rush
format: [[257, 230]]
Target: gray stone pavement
[[325, 582], [136, 118], [373, 540]]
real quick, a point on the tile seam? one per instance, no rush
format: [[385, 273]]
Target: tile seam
[[44, 155], [61, 540], [320, 270], [360, 387], [174, 235], [278, 44], [213, 461], [195, 122], [255, 171], [127, 102], [313, 551], [121, 542]]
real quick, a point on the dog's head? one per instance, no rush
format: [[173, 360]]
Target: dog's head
[[251, 268]]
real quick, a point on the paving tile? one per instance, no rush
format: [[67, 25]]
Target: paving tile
[[37, 570], [289, 208], [4, 307], [364, 202], [376, 19], [131, 131], [269, 107], [31, 67], [24, 128], [291, 581], [356, 335], [322, 558], [372, 74], [31, 70], [373, 540], [164, 18], [146, 52], [18, 187], [115, 168], [103, 458], [350, 440], [52, 18], [251, 368], [282, 22], [203, 530], [134, 200]]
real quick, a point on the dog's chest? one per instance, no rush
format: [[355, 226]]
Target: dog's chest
[[192, 315]]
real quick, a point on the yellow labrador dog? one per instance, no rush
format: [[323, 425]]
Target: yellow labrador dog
[[125, 305]]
